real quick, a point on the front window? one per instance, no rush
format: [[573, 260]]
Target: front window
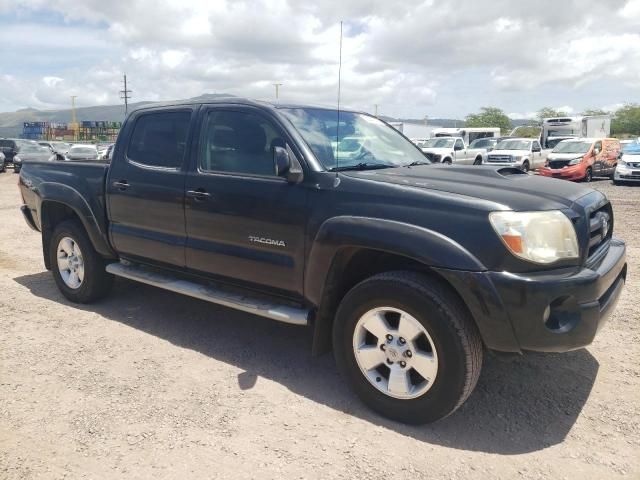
[[572, 147], [439, 143], [514, 145], [359, 139], [482, 143]]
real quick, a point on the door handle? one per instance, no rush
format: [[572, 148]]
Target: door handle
[[199, 194], [121, 184]]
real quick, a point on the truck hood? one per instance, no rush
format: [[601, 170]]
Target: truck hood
[[438, 151], [504, 187], [564, 156], [515, 153]]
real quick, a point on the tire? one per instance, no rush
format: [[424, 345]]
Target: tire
[[589, 175], [447, 161], [478, 161], [16, 169], [615, 182], [94, 282], [525, 166], [451, 335]]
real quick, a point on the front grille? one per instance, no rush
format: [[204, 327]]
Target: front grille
[[499, 158], [600, 228], [558, 163]]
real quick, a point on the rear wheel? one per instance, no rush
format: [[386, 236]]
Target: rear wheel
[[407, 346], [78, 270]]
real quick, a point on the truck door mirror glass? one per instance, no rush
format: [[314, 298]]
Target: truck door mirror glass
[[458, 147], [281, 161]]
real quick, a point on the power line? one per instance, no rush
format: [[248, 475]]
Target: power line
[[125, 95]]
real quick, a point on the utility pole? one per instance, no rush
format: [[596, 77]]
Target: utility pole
[[277, 85], [125, 95], [375, 110], [74, 118]]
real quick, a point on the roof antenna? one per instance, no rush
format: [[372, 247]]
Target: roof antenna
[[337, 179]]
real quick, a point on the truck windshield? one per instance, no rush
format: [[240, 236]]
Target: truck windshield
[[362, 142], [514, 145], [439, 143], [572, 147]]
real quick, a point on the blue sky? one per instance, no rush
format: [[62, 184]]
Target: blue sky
[[412, 58]]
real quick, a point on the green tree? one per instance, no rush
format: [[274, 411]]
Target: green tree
[[548, 112], [627, 120], [488, 117], [527, 131]]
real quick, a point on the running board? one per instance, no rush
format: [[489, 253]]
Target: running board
[[257, 306]]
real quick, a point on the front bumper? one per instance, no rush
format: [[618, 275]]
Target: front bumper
[[551, 311], [26, 213], [626, 175], [574, 172]]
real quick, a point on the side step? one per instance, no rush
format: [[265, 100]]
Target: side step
[[257, 306]]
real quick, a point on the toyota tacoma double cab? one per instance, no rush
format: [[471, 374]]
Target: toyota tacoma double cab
[[409, 271]]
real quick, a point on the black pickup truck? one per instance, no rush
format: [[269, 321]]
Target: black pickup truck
[[334, 220]]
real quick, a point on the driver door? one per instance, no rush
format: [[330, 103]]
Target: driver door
[[244, 223], [460, 152]]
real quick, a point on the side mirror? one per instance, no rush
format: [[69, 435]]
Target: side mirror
[[286, 165]]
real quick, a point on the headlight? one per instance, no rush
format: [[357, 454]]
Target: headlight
[[622, 163], [539, 237], [17, 159], [575, 161]]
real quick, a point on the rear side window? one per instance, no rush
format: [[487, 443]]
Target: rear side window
[[159, 139], [7, 143]]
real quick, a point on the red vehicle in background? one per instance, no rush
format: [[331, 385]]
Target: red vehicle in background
[[582, 159]]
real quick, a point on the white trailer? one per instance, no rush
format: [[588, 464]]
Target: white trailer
[[557, 129], [467, 134]]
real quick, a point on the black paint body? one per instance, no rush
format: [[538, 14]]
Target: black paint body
[[435, 216]]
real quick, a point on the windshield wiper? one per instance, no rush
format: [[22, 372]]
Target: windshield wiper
[[416, 163], [361, 166]]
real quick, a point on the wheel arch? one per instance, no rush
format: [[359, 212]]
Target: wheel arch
[[53, 211], [349, 249]]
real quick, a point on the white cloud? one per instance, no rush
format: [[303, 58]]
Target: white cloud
[[408, 57]]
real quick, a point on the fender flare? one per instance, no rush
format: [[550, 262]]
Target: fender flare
[[93, 222], [418, 243]]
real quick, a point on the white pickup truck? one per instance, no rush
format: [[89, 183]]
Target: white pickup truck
[[452, 150], [523, 153]]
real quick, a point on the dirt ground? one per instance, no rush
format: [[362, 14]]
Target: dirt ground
[[149, 384]]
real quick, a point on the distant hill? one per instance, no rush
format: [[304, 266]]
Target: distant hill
[[11, 122]]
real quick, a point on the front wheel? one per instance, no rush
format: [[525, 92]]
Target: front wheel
[[447, 161], [407, 346], [525, 166], [478, 161], [16, 169], [78, 270], [589, 175]]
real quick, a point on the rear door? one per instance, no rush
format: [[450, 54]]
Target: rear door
[[598, 160], [145, 189], [244, 223]]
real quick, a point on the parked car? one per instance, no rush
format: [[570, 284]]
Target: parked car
[[582, 159], [452, 150], [60, 148], [419, 142], [628, 167], [408, 269], [29, 152], [10, 147], [81, 152], [523, 153], [3, 168]]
